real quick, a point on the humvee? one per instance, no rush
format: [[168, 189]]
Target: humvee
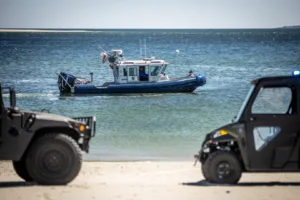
[[263, 137], [44, 148]]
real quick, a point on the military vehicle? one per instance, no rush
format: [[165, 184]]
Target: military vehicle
[[263, 137], [44, 148]]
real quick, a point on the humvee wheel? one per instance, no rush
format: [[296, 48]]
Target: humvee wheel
[[54, 159], [223, 168], [21, 171]]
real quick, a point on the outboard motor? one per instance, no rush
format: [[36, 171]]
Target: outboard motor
[[65, 82], [201, 80]]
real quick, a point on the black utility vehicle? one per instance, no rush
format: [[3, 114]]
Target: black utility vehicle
[[264, 137], [43, 147]]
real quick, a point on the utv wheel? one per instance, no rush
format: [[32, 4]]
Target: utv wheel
[[54, 159], [223, 168], [204, 170], [21, 170]]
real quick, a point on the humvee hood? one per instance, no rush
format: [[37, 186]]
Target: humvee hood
[[52, 117]]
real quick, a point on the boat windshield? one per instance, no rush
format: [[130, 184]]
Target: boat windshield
[[155, 70], [163, 69], [244, 103]]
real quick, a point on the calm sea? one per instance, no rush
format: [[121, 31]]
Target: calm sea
[[156, 126]]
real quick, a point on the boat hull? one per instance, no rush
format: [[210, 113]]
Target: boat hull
[[186, 85]]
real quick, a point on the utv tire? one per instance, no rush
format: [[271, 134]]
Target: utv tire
[[21, 170], [54, 159], [223, 168], [204, 170]]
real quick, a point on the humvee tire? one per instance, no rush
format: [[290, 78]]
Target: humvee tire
[[21, 170], [227, 161], [54, 159]]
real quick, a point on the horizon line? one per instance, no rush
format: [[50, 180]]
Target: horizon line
[[32, 28], [107, 29]]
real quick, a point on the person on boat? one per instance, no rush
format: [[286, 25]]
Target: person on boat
[[115, 70], [190, 74], [142, 74], [164, 77]]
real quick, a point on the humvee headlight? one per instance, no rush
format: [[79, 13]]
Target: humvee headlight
[[81, 128], [78, 126], [219, 133]]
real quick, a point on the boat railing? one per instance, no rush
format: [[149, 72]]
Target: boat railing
[[64, 79], [71, 87]]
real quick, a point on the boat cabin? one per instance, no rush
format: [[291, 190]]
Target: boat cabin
[[145, 70]]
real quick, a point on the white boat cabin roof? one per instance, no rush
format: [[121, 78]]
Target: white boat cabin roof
[[142, 62]]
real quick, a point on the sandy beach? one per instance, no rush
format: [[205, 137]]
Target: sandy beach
[[149, 180]]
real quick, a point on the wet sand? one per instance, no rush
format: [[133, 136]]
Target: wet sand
[[149, 180]]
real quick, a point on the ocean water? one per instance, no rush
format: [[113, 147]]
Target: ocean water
[[147, 126]]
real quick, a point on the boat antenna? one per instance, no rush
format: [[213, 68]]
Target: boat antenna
[[103, 50], [141, 51], [145, 48]]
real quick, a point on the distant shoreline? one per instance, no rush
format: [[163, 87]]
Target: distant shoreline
[[290, 27], [134, 29], [40, 30]]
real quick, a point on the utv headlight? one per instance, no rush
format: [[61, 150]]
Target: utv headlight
[[219, 133]]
